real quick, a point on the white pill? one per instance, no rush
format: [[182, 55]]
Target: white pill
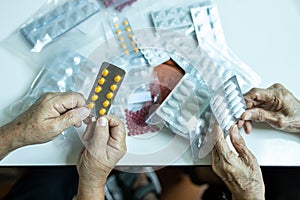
[[239, 113], [173, 103], [168, 111], [234, 94]]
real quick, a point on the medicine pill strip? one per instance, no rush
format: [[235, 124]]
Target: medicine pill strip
[[153, 56], [207, 24], [123, 32], [63, 18], [183, 103], [173, 18], [228, 108], [105, 89]]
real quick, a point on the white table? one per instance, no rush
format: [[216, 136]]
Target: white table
[[265, 34]]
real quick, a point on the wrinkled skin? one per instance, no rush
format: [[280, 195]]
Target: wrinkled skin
[[43, 121], [241, 173], [105, 147], [275, 105]]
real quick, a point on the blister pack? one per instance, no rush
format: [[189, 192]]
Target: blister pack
[[58, 21], [228, 107], [105, 88]]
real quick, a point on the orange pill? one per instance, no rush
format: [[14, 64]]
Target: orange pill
[[123, 45], [101, 81], [117, 78], [91, 105], [105, 103], [109, 95], [127, 29], [136, 49], [118, 31], [130, 36], [113, 87], [98, 89], [105, 72], [94, 97], [132, 43], [125, 22], [121, 38], [102, 111]]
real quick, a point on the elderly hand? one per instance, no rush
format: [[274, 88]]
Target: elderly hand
[[105, 147], [47, 118], [274, 105], [241, 173]]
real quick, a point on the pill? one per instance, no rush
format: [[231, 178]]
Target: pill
[[130, 35], [117, 78], [126, 52], [127, 29], [234, 102], [91, 105], [109, 95], [118, 31], [125, 22], [105, 103], [136, 49], [116, 25], [102, 111], [168, 111], [101, 81], [184, 90], [228, 125], [121, 38], [239, 113], [230, 88], [181, 121], [232, 95], [237, 108], [105, 72], [178, 96], [98, 89], [172, 103], [113, 87], [132, 43], [123, 45], [94, 97], [186, 114], [188, 84]]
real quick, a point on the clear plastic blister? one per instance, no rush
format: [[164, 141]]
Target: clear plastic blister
[[56, 26]]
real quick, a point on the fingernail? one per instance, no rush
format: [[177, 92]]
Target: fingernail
[[247, 115], [235, 132], [102, 121]]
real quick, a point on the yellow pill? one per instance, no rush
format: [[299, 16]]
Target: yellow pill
[[109, 95], [94, 97], [126, 52], [118, 31], [105, 72], [121, 38], [101, 81], [105, 103], [116, 25], [102, 111], [117, 78], [132, 43], [91, 105], [123, 45], [125, 22], [136, 49], [127, 29], [130, 36], [98, 89], [113, 87]]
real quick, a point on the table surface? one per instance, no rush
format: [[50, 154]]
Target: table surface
[[264, 34]]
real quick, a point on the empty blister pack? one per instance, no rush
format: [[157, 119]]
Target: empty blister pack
[[105, 88], [67, 72], [173, 18], [64, 17], [228, 104]]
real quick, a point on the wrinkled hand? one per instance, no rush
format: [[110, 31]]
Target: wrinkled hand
[[105, 147], [275, 105], [47, 118], [241, 173]]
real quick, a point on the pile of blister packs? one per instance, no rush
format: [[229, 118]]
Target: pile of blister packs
[[178, 73]]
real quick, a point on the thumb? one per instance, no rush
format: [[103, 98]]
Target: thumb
[[101, 134], [72, 117], [260, 115]]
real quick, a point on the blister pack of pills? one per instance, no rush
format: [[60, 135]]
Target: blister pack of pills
[[44, 29], [105, 88], [67, 72], [228, 104]]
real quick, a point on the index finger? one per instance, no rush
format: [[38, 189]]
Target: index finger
[[117, 128], [257, 95], [67, 100]]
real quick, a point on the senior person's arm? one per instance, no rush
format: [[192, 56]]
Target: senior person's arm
[[105, 147], [275, 105], [241, 173], [43, 121]]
